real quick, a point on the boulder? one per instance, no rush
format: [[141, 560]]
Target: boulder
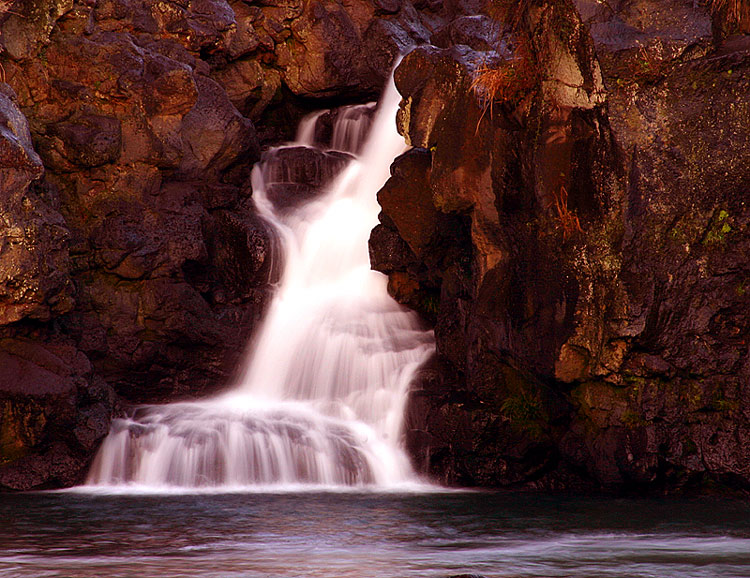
[[293, 175], [243, 252]]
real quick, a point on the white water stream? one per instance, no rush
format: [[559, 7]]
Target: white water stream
[[322, 399]]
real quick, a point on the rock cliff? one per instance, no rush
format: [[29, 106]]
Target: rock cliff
[[574, 218]]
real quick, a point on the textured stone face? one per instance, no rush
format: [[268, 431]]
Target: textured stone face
[[317, 49], [137, 141], [30, 24], [53, 413], [614, 354], [34, 276]]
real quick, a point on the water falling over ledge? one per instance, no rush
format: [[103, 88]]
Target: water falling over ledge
[[321, 400]]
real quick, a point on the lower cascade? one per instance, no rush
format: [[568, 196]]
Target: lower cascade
[[322, 398]]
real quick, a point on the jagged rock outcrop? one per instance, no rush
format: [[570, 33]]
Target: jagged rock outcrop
[[583, 253], [53, 409], [283, 54], [681, 124], [34, 262]]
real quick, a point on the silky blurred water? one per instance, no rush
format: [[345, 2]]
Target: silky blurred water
[[363, 535], [321, 400]]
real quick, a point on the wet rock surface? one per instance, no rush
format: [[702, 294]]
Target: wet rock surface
[[298, 174], [590, 304]]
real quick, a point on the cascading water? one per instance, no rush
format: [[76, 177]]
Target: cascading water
[[322, 399]]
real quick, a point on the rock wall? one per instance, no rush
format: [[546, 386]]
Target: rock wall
[[132, 265], [582, 247], [50, 400], [576, 229]]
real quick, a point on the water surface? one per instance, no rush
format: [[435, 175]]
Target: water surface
[[369, 535]]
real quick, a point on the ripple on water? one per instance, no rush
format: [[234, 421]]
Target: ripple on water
[[369, 534]]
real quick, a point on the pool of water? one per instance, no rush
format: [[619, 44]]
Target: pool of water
[[363, 535]]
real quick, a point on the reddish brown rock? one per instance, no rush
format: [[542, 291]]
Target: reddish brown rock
[[27, 27], [53, 413], [142, 145], [411, 208], [315, 50], [610, 352], [34, 279]]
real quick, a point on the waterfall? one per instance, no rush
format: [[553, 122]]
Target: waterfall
[[321, 400]]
